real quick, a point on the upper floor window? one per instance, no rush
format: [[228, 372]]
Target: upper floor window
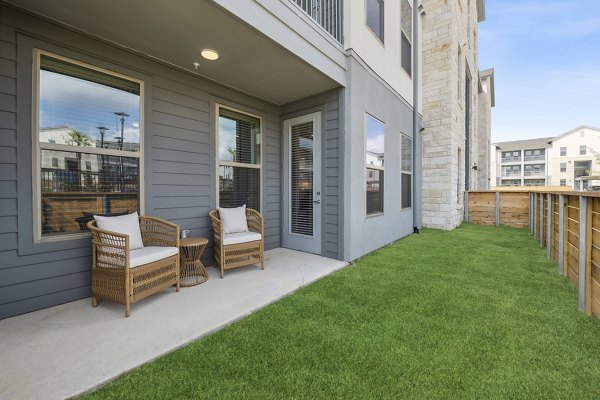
[[239, 163], [582, 150], [406, 39], [563, 151], [87, 142], [563, 182], [375, 17], [563, 167], [374, 158]]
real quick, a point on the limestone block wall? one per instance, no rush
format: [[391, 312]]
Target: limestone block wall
[[449, 57], [484, 120]]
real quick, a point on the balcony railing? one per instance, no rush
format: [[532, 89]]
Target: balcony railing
[[540, 157], [534, 173], [511, 158], [510, 173], [328, 14]]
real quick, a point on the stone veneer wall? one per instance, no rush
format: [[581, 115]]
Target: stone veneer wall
[[447, 27], [484, 121]]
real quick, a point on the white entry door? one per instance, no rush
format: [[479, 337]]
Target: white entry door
[[302, 183]]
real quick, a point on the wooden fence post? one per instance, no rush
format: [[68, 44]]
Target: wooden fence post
[[561, 234], [585, 244], [530, 212], [534, 216], [541, 217], [549, 230], [497, 208], [566, 242]]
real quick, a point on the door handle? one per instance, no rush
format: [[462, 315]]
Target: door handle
[[317, 201]]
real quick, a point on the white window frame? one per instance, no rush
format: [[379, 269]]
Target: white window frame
[[372, 166], [561, 151], [37, 147], [237, 164], [381, 39], [411, 40], [404, 171]]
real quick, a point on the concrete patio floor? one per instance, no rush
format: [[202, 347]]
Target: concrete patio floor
[[73, 348]]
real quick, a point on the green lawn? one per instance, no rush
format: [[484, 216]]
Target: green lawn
[[474, 313]]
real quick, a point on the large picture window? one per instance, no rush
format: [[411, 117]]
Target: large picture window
[[88, 135], [375, 151], [406, 161], [239, 164]]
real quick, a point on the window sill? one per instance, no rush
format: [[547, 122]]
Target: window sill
[[63, 238], [374, 215], [380, 40]]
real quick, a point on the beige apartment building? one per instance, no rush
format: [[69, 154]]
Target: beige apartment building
[[548, 161], [457, 101]]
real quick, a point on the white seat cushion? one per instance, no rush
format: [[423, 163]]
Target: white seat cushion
[[233, 219], [150, 254], [125, 224], [240, 237]]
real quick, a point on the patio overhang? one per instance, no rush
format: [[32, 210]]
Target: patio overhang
[[249, 61]]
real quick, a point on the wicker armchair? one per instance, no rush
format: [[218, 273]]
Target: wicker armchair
[[115, 276], [238, 253]]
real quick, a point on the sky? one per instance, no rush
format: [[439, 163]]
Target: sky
[[546, 57], [83, 106]]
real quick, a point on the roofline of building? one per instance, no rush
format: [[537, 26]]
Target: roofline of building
[[480, 10], [547, 142], [485, 73], [567, 133]]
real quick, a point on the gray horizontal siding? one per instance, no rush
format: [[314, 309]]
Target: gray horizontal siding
[[179, 178]]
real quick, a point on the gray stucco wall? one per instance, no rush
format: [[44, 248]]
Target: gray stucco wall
[[367, 93], [180, 177]]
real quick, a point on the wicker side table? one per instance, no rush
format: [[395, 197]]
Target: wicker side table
[[191, 270]]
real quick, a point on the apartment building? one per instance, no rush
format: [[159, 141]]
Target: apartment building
[[308, 111], [549, 161], [521, 162], [574, 154], [457, 101]]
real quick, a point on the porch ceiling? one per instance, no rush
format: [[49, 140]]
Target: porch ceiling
[[176, 32]]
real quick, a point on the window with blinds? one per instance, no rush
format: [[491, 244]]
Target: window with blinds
[[406, 160], [301, 175], [375, 17], [88, 145], [374, 158], [239, 162]]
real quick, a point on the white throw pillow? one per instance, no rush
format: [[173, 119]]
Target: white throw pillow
[[126, 224], [234, 219]]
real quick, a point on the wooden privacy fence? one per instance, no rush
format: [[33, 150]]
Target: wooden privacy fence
[[567, 224]]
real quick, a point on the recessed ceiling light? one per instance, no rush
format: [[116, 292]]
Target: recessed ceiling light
[[210, 54]]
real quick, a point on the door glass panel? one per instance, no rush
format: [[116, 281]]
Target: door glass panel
[[301, 169]]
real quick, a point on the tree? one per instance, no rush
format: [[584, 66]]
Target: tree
[[77, 138]]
